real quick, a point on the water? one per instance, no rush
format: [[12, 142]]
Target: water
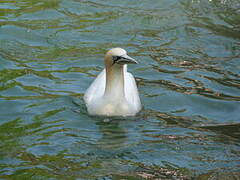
[[188, 78]]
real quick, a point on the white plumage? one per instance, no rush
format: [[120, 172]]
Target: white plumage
[[114, 91]]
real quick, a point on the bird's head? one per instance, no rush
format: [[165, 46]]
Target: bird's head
[[118, 56]]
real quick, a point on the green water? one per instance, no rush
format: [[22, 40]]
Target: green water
[[188, 79]]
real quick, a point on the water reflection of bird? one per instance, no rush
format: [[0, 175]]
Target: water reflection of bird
[[114, 91]]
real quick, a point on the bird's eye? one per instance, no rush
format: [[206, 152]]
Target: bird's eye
[[116, 58]]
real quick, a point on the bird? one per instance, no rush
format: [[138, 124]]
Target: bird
[[114, 91]]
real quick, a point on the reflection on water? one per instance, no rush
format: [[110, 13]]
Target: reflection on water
[[188, 78]]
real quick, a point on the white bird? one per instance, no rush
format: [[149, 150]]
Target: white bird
[[114, 92]]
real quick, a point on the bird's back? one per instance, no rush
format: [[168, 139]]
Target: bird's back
[[96, 89]]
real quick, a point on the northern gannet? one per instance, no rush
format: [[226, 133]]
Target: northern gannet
[[114, 92]]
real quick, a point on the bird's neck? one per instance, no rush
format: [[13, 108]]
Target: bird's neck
[[115, 82]]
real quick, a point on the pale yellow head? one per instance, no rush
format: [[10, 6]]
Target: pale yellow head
[[119, 57]]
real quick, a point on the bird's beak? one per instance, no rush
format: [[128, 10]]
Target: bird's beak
[[125, 59]]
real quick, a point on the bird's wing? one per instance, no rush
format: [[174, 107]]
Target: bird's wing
[[97, 87], [131, 91]]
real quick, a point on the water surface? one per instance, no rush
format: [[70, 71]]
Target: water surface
[[188, 78]]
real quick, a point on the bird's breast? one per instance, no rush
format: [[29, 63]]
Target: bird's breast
[[111, 108]]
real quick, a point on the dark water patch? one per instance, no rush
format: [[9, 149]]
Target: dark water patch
[[231, 130], [207, 92]]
